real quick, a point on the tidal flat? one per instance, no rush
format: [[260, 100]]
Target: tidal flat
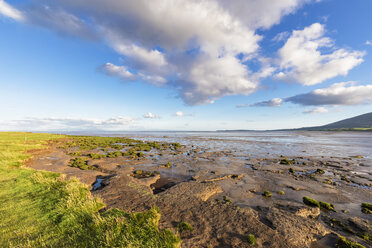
[[225, 187]]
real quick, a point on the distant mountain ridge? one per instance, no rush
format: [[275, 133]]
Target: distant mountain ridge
[[360, 122], [357, 123]]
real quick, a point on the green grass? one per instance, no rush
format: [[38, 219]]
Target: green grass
[[251, 239], [267, 193], [184, 226], [310, 202], [42, 209], [366, 208], [344, 243]]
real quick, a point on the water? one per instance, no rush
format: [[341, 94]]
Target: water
[[261, 144]]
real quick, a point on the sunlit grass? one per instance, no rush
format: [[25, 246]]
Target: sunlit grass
[[42, 209]]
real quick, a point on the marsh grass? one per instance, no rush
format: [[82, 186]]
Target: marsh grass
[[43, 209]]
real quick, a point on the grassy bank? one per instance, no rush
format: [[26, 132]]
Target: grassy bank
[[42, 209]]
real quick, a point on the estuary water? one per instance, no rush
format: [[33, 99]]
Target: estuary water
[[268, 143]]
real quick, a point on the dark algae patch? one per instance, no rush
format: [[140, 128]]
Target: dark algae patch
[[184, 226]]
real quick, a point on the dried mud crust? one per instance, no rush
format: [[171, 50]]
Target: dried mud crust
[[222, 198]]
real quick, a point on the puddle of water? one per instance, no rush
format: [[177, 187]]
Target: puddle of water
[[249, 166], [98, 184]]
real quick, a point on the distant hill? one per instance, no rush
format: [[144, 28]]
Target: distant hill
[[358, 123]]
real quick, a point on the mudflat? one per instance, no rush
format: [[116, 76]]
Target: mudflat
[[224, 197]]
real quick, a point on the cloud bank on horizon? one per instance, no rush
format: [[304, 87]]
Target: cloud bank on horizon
[[201, 49]]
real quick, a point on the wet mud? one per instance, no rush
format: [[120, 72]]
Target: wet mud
[[220, 194]]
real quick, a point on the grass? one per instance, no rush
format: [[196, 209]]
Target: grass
[[267, 193], [327, 206], [42, 209], [310, 202], [184, 226], [251, 239], [344, 243], [281, 192], [366, 208]]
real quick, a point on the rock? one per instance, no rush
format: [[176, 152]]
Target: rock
[[308, 212]]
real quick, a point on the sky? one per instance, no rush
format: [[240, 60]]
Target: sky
[[188, 65]]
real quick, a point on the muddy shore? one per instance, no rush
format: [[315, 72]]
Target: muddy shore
[[221, 195]]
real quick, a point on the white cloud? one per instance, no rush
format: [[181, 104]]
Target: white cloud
[[319, 110], [301, 59], [189, 45], [368, 43], [275, 102], [346, 93], [69, 124], [179, 114], [281, 36], [10, 12], [119, 71], [150, 115]]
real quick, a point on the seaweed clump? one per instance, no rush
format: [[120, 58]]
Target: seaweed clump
[[366, 208], [310, 202], [344, 243]]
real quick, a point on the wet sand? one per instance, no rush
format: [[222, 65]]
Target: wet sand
[[219, 192]]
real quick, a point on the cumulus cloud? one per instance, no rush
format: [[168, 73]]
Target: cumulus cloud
[[150, 115], [368, 43], [198, 48], [179, 114], [301, 58], [275, 102], [10, 12], [319, 110], [345, 93], [54, 124]]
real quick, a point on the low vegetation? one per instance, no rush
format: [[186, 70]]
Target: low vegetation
[[344, 243], [42, 209], [280, 192], [184, 226], [80, 163], [267, 193], [327, 206], [310, 202], [366, 208], [251, 239], [286, 161]]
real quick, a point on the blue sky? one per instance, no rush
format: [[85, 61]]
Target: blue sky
[[183, 65]]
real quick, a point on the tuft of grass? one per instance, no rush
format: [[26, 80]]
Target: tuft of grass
[[267, 193], [226, 200], [291, 171], [310, 202], [327, 206], [344, 243], [319, 171], [251, 239], [184, 226], [366, 208], [43, 209], [280, 192], [80, 163]]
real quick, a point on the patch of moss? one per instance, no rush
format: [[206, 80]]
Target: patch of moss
[[95, 155], [344, 243], [184, 226], [327, 206], [75, 154], [365, 236], [80, 163], [168, 165], [280, 192], [291, 171], [226, 200], [251, 239], [267, 193], [366, 208], [310, 202], [319, 171], [139, 174]]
